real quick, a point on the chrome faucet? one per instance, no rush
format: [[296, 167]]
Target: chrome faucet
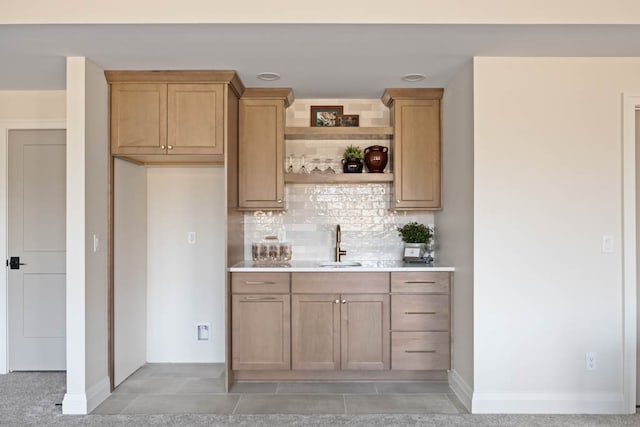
[[339, 252]]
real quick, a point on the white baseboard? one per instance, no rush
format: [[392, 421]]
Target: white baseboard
[[74, 404], [548, 403], [84, 403], [98, 393], [462, 390]]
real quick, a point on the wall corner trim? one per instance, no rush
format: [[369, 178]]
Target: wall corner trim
[[462, 390], [74, 404], [84, 403]]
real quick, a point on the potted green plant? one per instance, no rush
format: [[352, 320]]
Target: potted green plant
[[416, 238], [352, 159]]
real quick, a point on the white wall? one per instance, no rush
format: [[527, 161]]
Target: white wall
[[185, 282], [130, 268], [454, 223], [87, 154], [401, 11], [21, 110], [548, 185]]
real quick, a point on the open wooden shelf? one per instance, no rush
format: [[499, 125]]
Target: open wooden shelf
[[298, 132], [338, 178]]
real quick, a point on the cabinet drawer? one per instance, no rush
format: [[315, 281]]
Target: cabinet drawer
[[339, 283], [436, 282], [420, 350], [420, 312], [260, 283]]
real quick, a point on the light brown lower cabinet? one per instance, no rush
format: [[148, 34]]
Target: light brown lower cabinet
[[340, 331], [260, 332], [328, 326], [420, 321], [420, 350]]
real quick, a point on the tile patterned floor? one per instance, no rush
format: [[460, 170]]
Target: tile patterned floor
[[199, 389]]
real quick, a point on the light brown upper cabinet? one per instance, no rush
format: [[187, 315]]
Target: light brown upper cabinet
[[415, 117], [261, 148], [172, 116]]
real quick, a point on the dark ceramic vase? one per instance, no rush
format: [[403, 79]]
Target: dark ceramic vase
[[352, 165], [375, 157]]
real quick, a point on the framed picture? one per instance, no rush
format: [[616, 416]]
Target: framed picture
[[326, 115], [350, 120]]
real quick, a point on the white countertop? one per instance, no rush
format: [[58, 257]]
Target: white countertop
[[314, 267]]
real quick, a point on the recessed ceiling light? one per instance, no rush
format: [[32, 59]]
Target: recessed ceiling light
[[413, 77], [268, 77]]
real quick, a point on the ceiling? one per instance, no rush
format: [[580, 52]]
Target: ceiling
[[317, 60]]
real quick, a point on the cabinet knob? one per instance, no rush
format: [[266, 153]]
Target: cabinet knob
[[398, 201], [279, 200], [163, 147], [170, 147], [344, 301], [337, 301]]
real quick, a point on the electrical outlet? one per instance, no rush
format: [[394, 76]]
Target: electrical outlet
[[203, 331], [590, 361]]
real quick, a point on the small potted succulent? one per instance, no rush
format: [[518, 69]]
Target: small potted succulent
[[352, 159], [416, 237]]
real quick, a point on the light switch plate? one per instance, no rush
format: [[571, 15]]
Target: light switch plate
[[191, 237], [607, 244]]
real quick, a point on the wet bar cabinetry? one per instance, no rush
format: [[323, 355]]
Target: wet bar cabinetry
[[414, 138], [261, 321], [420, 320], [415, 115], [340, 325], [340, 321], [261, 148], [174, 117]]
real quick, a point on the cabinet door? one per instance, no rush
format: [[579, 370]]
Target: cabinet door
[[261, 154], [138, 118], [315, 324], [195, 119], [261, 332], [417, 154], [365, 332]]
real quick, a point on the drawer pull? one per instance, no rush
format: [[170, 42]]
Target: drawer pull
[[419, 351], [247, 282], [260, 298], [419, 312], [419, 282]]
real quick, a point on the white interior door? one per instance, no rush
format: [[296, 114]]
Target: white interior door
[[37, 246]]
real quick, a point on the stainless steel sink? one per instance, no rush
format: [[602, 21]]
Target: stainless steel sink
[[340, 264]]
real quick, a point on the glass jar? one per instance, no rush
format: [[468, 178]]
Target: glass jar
[[285, 251], [273, 248]]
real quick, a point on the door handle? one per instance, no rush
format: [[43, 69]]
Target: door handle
[[14, 263]]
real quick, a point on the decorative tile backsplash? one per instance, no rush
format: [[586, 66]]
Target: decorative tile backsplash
[[313, 211], [369, 228]]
